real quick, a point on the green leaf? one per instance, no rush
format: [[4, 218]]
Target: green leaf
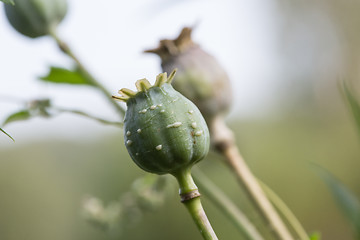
[[18, 116], [62, 75], [7, 134], [8, 2], [346, 200], [353, 103]]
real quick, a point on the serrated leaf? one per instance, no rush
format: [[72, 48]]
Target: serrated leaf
[[346, 200], [2, 130], [18, 116], [8, 2], [353, 103], [65, 76]]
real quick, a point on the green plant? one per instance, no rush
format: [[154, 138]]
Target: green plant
[[203, 80], [353, 102], [346, 200], [8, 2], [3, 131], [174, 140], [35, 18], [165, 133]]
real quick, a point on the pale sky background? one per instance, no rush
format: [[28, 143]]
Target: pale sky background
[[109, 38]]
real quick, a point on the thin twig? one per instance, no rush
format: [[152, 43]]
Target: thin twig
[[66, 49], [84, 114], [2, 130]]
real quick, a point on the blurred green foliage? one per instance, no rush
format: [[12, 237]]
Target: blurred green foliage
[[42, 184], [354, 104], [18, 116], [8, 2], [345, 199], [65, 76], [348, 203]]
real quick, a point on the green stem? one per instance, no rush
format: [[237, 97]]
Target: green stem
[[186, 182], [7, 134], [226, 206], [198, 214], [86, 74], [190, 197], [285, 211], [81, 113]]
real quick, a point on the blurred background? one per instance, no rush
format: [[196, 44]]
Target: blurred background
[[285, 59]]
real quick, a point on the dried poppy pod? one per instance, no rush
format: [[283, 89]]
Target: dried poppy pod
[[164, 132], [200, 77], [36, 18]]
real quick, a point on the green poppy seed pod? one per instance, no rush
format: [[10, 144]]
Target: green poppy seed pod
[[200, 77], [164, 132], [36, 18]]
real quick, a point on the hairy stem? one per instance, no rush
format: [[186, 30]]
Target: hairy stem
[[225, 144], [226, 206], [86, 74], [190, 197]]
